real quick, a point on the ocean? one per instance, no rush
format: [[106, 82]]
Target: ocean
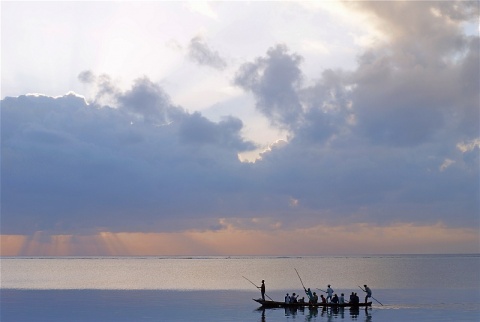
[[405, 287]]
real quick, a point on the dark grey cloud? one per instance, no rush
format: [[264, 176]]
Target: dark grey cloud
[[382, 141], [86, 77], [67, 165], [148, 103], [327, 108], [197, 130], [416, 87], [200, 53], [274, 80]]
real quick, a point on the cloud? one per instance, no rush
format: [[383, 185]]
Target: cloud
[[355, 238], [87, 77], [87, 166], [393, 141], [274, 80], [203, 8], [148, 103], [200, 53], [373, 142], [415, 84]]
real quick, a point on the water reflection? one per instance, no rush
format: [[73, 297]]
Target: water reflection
[[320, 314], [214, 273]]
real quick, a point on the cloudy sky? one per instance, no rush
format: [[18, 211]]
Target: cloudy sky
[[239, 128]]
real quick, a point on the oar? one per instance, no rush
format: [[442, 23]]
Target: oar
[[257, 287], [371, 296], [300, 279]]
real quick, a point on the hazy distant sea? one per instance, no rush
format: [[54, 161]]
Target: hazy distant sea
[[410, 287]]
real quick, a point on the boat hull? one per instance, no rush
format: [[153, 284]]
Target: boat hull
[[275, 304]]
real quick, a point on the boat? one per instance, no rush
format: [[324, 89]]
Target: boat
[[276, 304]]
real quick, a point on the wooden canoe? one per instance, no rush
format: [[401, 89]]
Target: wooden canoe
[[275, 304]]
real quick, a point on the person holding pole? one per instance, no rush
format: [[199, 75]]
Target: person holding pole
[[369, 294], [309, 295], [368, 291], [262, 289]]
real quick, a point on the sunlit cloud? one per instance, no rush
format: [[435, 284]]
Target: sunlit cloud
[[203, 8], [12, 245], [469, 145], [446, 164], [317, 240]]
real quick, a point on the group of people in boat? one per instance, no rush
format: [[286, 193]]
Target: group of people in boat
[[334, 298], [331, 297], [289, 299], [313, 297]]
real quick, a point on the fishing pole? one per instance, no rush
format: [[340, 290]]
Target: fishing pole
[[371, 296], [322, 290], [257, 287], [300, 279]]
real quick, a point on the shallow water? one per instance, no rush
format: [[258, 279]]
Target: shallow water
[[161, 305], [411, 288]]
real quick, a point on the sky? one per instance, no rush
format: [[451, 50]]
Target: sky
[[239, 128]]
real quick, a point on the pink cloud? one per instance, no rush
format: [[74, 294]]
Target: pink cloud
[[317, 240]]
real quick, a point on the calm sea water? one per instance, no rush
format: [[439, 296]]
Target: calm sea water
[[409, 288]]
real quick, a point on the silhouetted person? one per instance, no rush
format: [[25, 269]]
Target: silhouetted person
[[323, 298], [368, 291], [309, 295], [329, 293], [262, 290], [335, 299], [354, 298], [293, 298]]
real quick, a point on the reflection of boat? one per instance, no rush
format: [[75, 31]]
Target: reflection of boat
[[275, 304]]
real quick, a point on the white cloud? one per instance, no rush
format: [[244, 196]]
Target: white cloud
[[202, 7], [446, 164]]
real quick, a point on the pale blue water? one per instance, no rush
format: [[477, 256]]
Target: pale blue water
[[410, 287]]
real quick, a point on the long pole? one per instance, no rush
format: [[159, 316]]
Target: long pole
[[300, 279], [256, 287], [371, 296]]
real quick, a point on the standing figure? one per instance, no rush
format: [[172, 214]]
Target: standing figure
[[310, 295], [262, 289], [287, 298], [368, 291], [329, 293]]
